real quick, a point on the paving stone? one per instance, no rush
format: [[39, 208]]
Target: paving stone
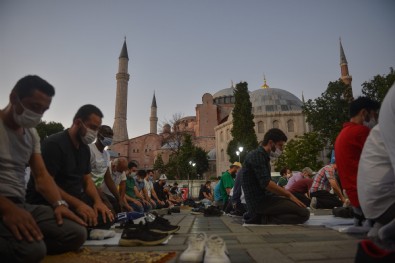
[[268, 255], [306, 256]]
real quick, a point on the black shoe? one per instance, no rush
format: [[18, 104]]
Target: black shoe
[[141, 236], [161, 225], [212, 211], [175, 209]]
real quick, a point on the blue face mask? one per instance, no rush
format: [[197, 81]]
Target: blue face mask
[[106, 141]]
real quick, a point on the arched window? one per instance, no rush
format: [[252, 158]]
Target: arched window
[[221, 136], [222, 155], [291, 126], [276, 124], [261, 128]]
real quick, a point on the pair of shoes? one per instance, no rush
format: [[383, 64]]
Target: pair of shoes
[[174, 209], [212, 211], [161, 225], [141, 235], [100, 234], [213, 249], [136, 217]]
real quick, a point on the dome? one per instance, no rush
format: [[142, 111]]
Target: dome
[[224, 93], [274, 100], [212, 155]]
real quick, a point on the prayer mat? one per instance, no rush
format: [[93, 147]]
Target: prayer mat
[[86, 255]]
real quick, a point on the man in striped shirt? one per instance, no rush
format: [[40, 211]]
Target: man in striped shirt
[[324, 181]]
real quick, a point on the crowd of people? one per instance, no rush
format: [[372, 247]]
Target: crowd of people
[[76, 192]]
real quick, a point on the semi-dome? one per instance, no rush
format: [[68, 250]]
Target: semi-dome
[[274, 100]]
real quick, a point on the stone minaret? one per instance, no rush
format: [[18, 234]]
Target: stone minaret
[[153, 119], [345, 76], [121, 101]]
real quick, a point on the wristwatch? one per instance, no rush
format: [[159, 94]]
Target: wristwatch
[[59, 203]]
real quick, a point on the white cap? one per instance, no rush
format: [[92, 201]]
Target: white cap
[[162, 177]]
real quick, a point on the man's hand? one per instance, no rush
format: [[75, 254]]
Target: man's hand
[[21, 224], [87, 213], [138, 203], [297, 201], [100, 207], [63, 212], [125, 206]]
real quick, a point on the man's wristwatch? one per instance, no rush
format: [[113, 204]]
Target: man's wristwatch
[[59, 203]]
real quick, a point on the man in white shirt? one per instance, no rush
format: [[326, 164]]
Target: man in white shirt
[[119, 167]]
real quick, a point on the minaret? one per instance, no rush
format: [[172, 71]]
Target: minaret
[[345, 76], [121, 100], [153, 119]]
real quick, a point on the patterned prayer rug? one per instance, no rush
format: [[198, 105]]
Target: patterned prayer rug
[[86, 255]]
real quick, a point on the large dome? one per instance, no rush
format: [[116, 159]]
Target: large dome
[[224, 93], [274, 100]]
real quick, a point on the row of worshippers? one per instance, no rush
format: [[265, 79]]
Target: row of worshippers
[[61, 206]]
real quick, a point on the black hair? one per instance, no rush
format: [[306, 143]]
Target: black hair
[[275, 135], [362, 103], [105, 129], [141, 173], [131, 165], [208, 182], [28, 84], [85, 112], [283, 171]]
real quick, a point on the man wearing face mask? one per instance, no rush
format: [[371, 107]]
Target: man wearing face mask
[[29, 232], [67, 158], [101, 170], [264, 198], [349, 144]]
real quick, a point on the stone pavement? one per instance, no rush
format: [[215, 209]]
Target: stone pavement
[[283, 243]]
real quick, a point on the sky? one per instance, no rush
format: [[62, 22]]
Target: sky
[[183, 49]]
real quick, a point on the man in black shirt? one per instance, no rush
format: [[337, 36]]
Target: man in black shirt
[[67, 158], [159, 189], [205, 195]]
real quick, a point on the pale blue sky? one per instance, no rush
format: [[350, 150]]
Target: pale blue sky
[[183, 49]]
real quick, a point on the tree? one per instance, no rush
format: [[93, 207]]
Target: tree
[[243, 132], [45, 129], [179, 165], [378, 87], [328, 113], [159, 165], [301, 152]]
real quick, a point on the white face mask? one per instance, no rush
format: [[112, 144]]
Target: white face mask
[[371, 123], [28, 118], [89, 137]]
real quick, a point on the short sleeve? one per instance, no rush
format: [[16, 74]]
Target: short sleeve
[[123, 176], [36, 140]]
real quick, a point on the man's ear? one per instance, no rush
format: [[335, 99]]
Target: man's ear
[[13, 97]]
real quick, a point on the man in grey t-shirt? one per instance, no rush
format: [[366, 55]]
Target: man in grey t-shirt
[[29, 232]]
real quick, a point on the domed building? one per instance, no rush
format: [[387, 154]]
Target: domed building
[[272, 108]]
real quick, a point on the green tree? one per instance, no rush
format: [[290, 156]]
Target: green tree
[[301, 152], [243, 132], [45, 129], [179, 165], [328, 113], [159, 165], [378, 87]]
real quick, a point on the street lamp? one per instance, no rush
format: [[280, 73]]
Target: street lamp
[[189, 187], [238, 153]]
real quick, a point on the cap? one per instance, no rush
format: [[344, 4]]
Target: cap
[[162, 177], [237, 164], [307, 170]]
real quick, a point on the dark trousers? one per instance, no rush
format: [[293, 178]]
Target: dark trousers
[[303, 198], [326, 200], [279, 210], [57, 239]]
